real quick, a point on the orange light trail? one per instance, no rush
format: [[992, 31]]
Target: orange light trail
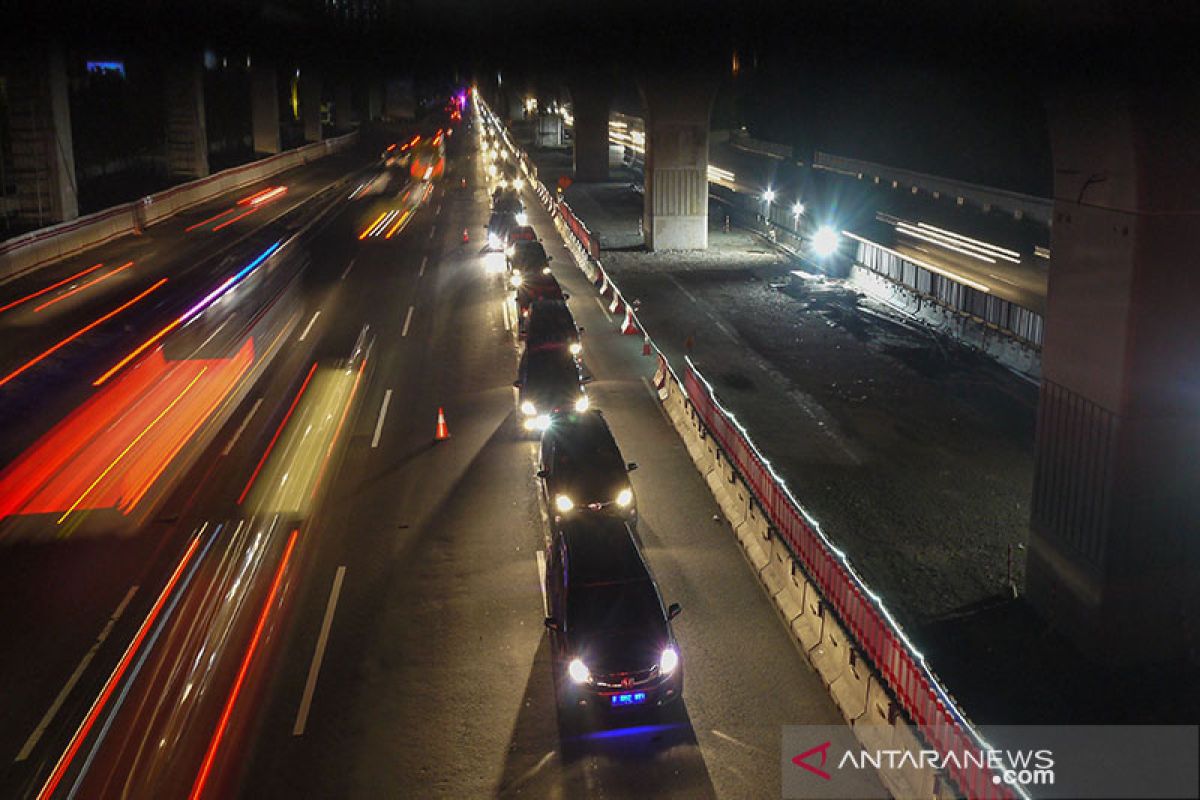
[[51, 287], [79, 333], [191, 228], [278, 431], [369, 228], [232, 220], [81, 733], [137, 351], [227, 712], [87, 285], [251, 198], [120, 456], [403, 218]]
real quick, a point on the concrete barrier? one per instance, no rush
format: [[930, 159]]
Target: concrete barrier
[[790, 598], [36, 249], [830, 656], [852, 688], [809, 627]]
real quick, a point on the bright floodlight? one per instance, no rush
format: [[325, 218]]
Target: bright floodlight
[[798, 209], [825, 241], [769, 195]]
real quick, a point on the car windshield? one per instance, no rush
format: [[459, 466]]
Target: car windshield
[[631, 605], [591, 451]]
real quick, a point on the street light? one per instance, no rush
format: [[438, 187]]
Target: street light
[[769, 196], [825, 241], [797, 209]]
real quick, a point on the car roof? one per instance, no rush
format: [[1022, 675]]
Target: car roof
[[503, 216], [552, 312], [551, 364], [601, 550], [589, 426], [524, 230]]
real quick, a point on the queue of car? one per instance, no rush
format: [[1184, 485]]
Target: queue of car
[[610, 634]]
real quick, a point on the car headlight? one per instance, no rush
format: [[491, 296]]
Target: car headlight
[[493, 240], [625, 497], [576, 348], [503, 183], [515, 280], [545, 270], [518, 184], [563, 503], [522, 218], [539, 423], [581, 405], [528, 409], [579, 671], [667, 662]]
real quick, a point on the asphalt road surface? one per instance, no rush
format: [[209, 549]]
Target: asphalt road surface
[[378, 631]]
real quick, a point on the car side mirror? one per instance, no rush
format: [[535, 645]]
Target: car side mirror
[[587, 379], [631, 466], [581, 329], [543, 473], [672, 611], [549, 258], [566, 296], [551, 624], [516, 384]]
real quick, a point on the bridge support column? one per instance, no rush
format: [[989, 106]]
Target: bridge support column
[[590, 105], [42, 148], [1114, 560], [187, 130], [310, 105], [343, 111], [675, 215], [264, 108]]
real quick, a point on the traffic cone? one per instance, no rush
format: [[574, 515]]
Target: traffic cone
[[629, 327], [604, 284], [442, 433], [466, 236], [646, 346], [615, 305]]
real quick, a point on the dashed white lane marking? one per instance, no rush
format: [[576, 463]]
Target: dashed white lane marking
[[432, 230], [507, 319], [308, 327], [32, 741], [242, 428], [383, 409], [682, 288], [346, 271], [407, 321], [438, 210], [424, 261], [314, 669], [541, 562]]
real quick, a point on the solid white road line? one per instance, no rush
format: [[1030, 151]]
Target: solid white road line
[[32, 741], [308, 327], [241, 428], [314, 669], [387, 398], [541, 561], [424, 261], [346, 271], [600, 303], [407, 321]]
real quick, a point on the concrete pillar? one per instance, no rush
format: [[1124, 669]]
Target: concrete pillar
[[590, 105], [343, 112], [264, 108], [375, 101], [676, 205], [1115, 549], [42, 148], [187, 132], [310, 105]]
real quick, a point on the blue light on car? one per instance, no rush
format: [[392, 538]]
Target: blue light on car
[[630, 699]]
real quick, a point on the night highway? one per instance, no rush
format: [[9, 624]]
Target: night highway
[[602, 401]]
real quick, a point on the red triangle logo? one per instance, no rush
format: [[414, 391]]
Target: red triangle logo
[[801, 760]]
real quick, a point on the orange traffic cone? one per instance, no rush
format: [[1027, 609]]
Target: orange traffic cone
[[466, 236], [442, 433]]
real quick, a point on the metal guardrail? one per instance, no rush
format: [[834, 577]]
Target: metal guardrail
[[1015, 320], [1019, 205]]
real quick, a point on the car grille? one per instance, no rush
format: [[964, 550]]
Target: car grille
[[625, 680]]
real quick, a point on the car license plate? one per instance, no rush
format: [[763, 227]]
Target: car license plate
[[630, 699]]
